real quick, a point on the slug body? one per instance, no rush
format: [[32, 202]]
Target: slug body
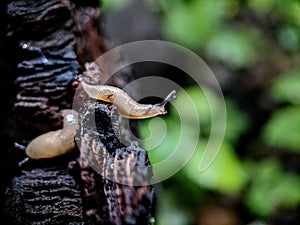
[[55, 143], [125, 105]]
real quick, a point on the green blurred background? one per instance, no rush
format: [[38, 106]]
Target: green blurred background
[[252, 46]]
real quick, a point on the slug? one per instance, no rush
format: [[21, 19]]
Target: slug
[[125, 105], [55, 143]]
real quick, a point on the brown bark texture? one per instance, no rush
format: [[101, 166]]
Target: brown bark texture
[[49, 41]]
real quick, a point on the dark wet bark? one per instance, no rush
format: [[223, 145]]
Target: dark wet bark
[[43, 69], [44, 196], [49, 41], [115, 176]]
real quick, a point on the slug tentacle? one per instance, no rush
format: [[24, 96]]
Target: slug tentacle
[[125, 105], [170, 97], [55, 143]]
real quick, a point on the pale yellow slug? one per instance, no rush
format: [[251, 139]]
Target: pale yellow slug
[[55, 143], [125, 105]]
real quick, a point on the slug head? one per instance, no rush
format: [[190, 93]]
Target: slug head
[[170, 97], [160, 107]]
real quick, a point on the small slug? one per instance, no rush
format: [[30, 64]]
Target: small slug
[[55, 143], [125, 105]]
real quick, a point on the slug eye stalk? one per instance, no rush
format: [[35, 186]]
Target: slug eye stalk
[[171, 96]]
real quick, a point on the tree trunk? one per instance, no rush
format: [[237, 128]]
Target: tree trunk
[[47, 42]]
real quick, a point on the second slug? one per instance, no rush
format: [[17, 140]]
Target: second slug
[[126, 106], [55, 143]]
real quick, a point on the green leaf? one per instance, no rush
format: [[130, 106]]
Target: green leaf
[[263, 6], [288, 10], [237, 121], [169, 210], [286, 87], [289, 38], [283, 129], [271, 187], [191, 100], [189, 116], [234, 48], [225, 174], [193, 24], [114, 4], [161, 135]]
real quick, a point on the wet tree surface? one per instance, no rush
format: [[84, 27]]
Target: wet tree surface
[[125, 196], [49, 42], [44, 196]]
